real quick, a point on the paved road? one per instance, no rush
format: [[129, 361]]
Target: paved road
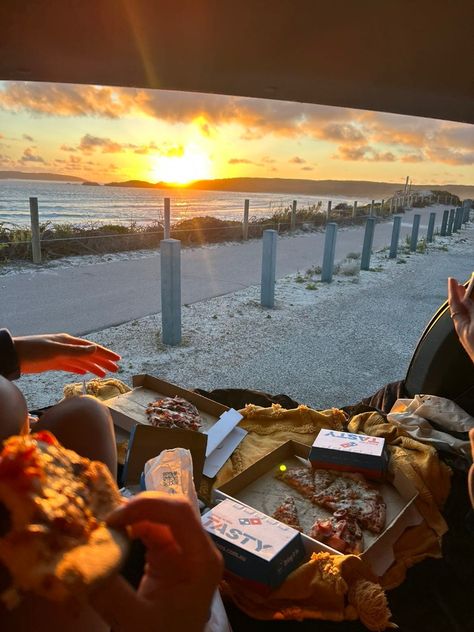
[[91, 297]]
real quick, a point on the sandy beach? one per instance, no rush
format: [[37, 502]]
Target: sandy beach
[[328, 346]]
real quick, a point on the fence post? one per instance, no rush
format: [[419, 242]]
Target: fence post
[[367, 246], [372, 208], [329, 252], [414, 232], [35, 230], [397, 220], [431, 224], [458, 219], [167, 226], [444, 223], [354, 210], [245, 225], [466, 215], [449, 230], [170, 256], [293, 217], [381, 206], [269, 246], [391, 205], [329, 210]]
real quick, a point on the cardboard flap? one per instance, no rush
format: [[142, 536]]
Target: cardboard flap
[[147, 442]]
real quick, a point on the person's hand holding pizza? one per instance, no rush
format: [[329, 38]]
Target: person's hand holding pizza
[[182, 571], [461, 305], [62, 352]]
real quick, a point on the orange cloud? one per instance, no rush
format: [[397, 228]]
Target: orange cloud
[[364, 152], [30, 156], [297, 160]]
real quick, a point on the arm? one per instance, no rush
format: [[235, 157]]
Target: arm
[[182, 571], [54, 352]]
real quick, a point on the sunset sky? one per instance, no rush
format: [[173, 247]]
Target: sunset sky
[[105, 134]]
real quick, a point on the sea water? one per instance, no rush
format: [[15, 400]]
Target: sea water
[[64, 202]]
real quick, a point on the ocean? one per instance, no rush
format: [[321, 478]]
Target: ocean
[[63, 202]]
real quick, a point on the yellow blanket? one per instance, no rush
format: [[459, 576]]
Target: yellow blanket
[[338, 587]]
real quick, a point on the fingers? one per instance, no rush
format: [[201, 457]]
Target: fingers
[[78, 345], [174, 511]]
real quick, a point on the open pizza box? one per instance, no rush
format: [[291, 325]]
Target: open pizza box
[[258, 488], [139, 441]]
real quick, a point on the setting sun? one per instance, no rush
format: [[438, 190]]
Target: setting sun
[[192, 164]]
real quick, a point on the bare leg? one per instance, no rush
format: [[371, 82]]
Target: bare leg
[[13, 410], [84, 425]]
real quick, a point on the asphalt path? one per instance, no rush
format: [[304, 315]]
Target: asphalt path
[[91, 297]]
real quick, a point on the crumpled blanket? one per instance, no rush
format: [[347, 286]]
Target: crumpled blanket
[[414, 415], [304, 592]]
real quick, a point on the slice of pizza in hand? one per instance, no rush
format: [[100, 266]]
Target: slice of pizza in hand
[[287, 513], [53, 505], [341, 532]]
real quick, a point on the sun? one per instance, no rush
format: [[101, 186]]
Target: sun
[[192, 164]]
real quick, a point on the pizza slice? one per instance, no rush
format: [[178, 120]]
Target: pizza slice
[[287, 513], [299, 478], [352, 493], [53, 504], [341, 532]]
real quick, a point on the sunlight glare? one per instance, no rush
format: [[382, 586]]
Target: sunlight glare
[[193, 164]]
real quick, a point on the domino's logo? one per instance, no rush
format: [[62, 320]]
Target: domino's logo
[[250, 521]]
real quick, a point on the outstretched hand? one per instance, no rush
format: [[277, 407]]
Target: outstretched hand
[[461, 306], [182, 570], [62, 352]]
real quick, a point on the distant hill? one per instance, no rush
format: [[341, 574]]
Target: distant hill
[[22, 175], [353, 188]]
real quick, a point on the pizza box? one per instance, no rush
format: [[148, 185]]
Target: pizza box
[[257, 487], [255, 547], [129, 409], [349, 452]]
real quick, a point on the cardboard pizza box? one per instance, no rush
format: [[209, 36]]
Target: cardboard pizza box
[[255, 547], [129, 409], [257, 487]]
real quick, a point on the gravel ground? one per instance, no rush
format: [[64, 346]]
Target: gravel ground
[[327, 346]]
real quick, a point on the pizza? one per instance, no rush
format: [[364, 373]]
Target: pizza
[[287, 513], [53, 505], [336, 491], [173, 412], [341, 532]]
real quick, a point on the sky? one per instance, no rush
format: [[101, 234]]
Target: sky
[[109, 134]]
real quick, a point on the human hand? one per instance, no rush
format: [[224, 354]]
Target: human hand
[[461, 306], [182, 569], [62, 352]]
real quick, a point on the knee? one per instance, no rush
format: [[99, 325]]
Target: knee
[[86, 411], [13, 410]]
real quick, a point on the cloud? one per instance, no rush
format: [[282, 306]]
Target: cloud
[[241, 161], [29, 156], [364, 152], [29, 138], [450, 156], [67, 148], [307, 168], [414, 157], [345, 132], [297, 160], [90, 143], [268, 161]]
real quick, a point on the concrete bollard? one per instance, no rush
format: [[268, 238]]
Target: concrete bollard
[[368, 241], [449, 230], [269, 246], [167, 226], [354, 210], [35, 230], [329, 210], [372, 208], [329, 252], [444, 223], [170, 255], [397, 220], [245, 225], [293, 217], [414, 232], [431, 225]]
